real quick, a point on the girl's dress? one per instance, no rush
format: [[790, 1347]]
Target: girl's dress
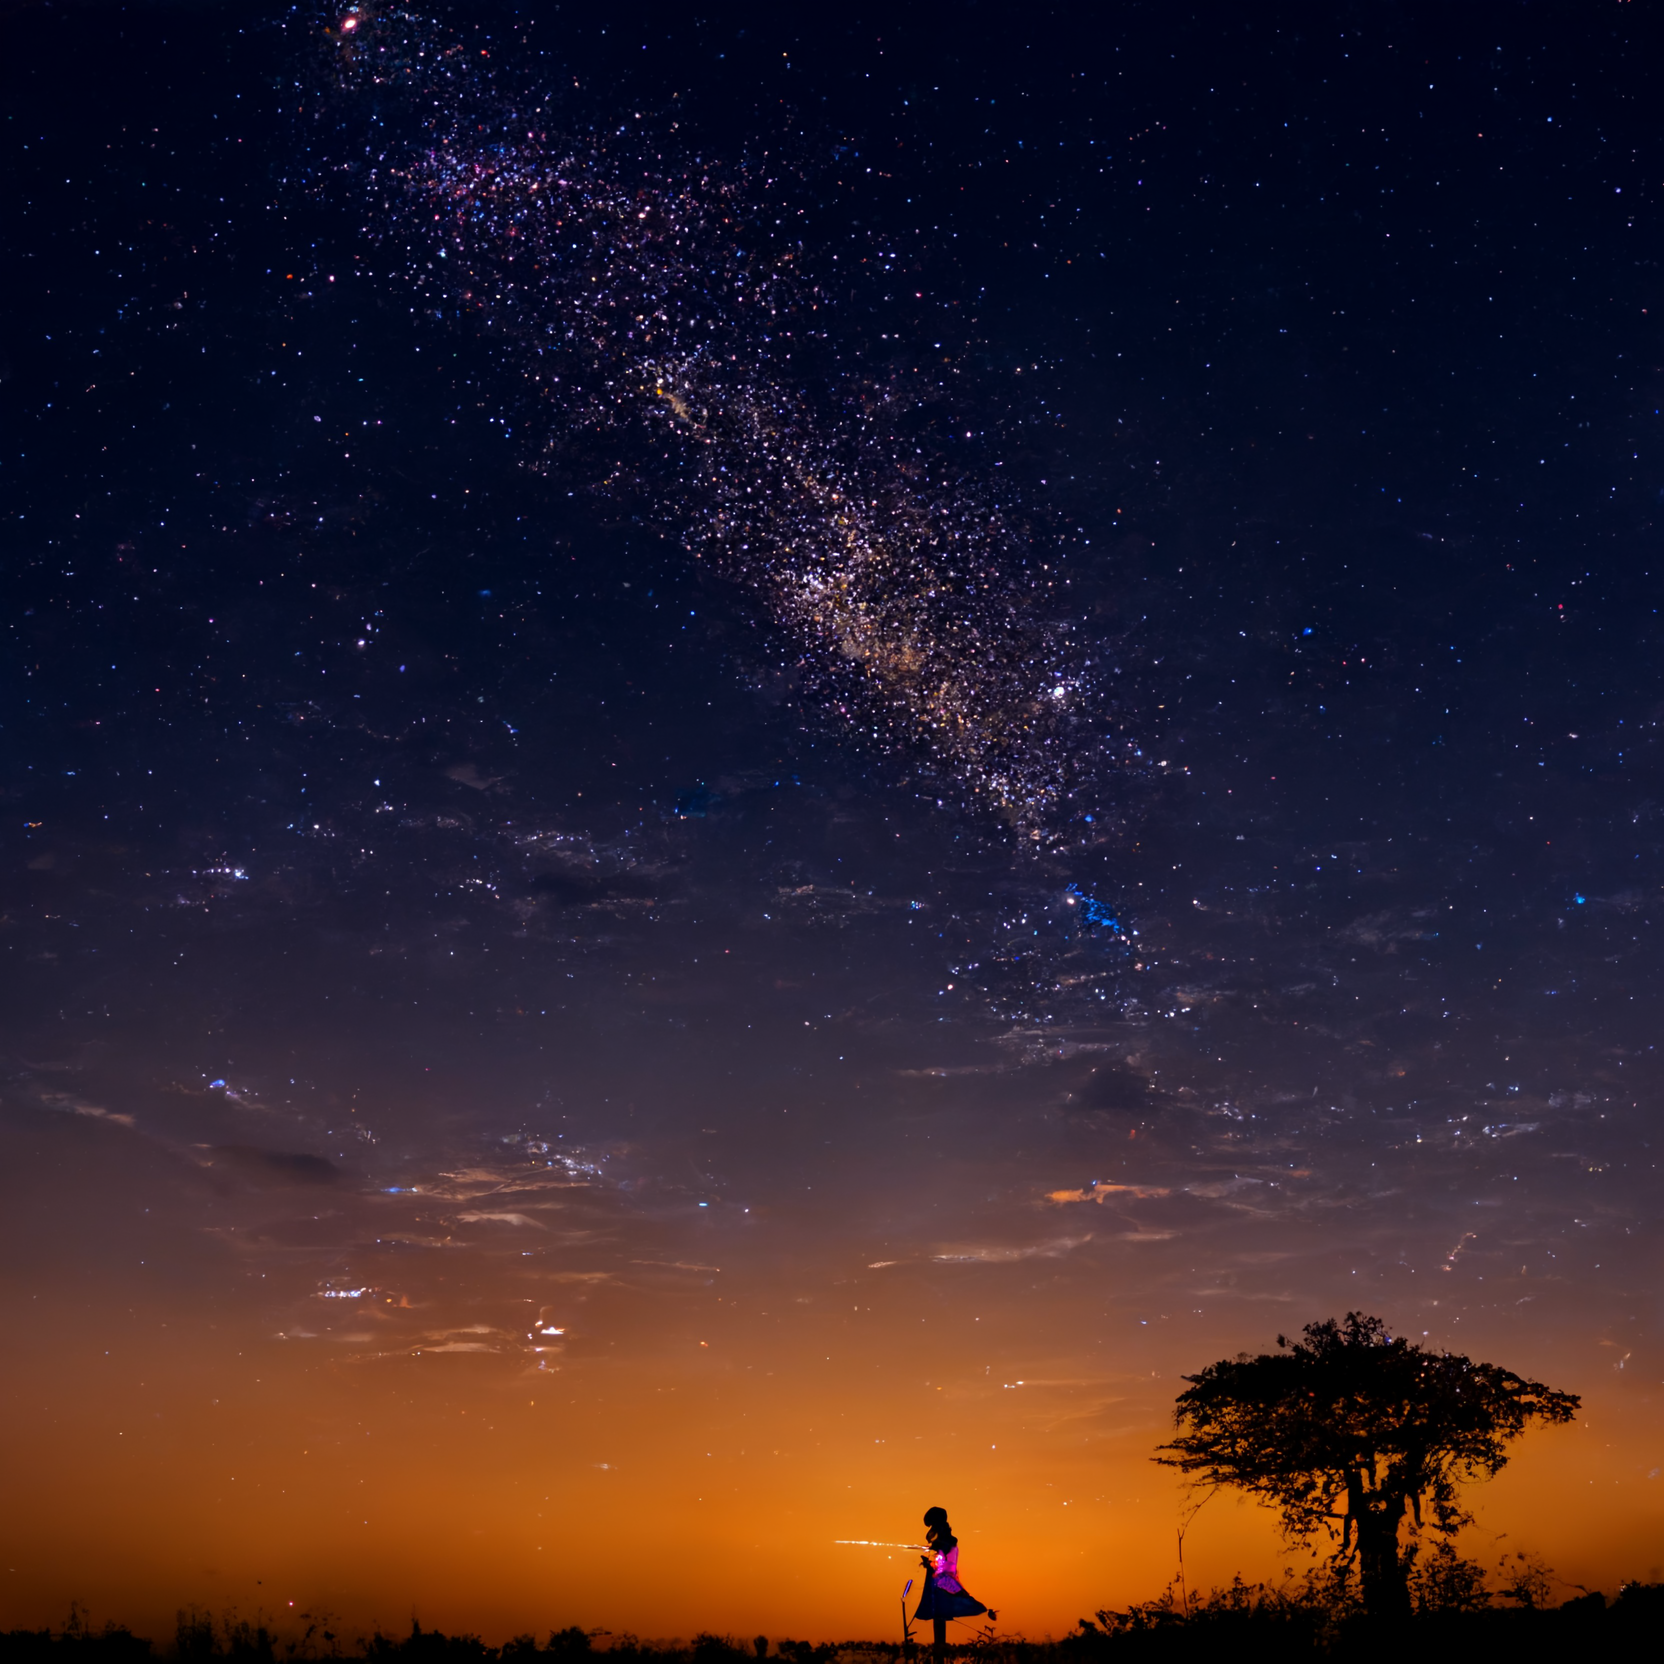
[[944, 1596]]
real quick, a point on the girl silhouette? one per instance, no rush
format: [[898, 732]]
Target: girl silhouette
[[943, 1596]]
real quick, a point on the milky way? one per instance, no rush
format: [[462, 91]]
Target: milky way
[[664, 309]]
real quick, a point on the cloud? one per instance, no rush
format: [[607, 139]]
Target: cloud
[[500, 1218], [1224, 1187], [289, 1167], [459, 1340], [467, 774], [64, 1104], [1055, 1249], [1096, 1192], [1038, 1045], [469, 1183]]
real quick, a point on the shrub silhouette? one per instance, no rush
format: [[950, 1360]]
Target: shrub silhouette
[[77, 1643], [715, 1649], [428, 1646], [1442, 1581]]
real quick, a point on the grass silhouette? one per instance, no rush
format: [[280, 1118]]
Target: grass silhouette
[[1455, 1617]]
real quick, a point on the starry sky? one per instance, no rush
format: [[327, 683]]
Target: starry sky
[[755, 758]]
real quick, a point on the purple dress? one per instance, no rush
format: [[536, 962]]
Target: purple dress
[[944, 1596]]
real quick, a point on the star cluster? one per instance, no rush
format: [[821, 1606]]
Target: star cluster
[[665, 308]]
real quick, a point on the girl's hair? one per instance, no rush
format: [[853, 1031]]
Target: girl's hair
[[937, 1532]]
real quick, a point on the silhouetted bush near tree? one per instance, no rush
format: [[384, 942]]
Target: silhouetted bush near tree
[[1259, 1621]]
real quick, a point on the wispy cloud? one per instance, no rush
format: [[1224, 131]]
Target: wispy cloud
[[1224, 1187], [946, 1071], [471, 1183], [64, 1104], [1096, 1192], [1000, 1255], [473, 1338]]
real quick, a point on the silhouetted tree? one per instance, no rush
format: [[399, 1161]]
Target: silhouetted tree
[[246, 1643], [76, 1645], [716, 1649], [194, 1637], [1525, 1579], [427, 1646], [1353, 1428]]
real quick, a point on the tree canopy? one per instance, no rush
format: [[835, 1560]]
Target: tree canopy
[[1354, 1433]]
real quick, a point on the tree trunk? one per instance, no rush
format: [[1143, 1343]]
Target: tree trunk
[[1385, 1576]]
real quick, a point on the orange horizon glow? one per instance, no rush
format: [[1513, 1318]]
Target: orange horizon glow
[[677, 1470]]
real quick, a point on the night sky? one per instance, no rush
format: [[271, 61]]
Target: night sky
[[755, 757]]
